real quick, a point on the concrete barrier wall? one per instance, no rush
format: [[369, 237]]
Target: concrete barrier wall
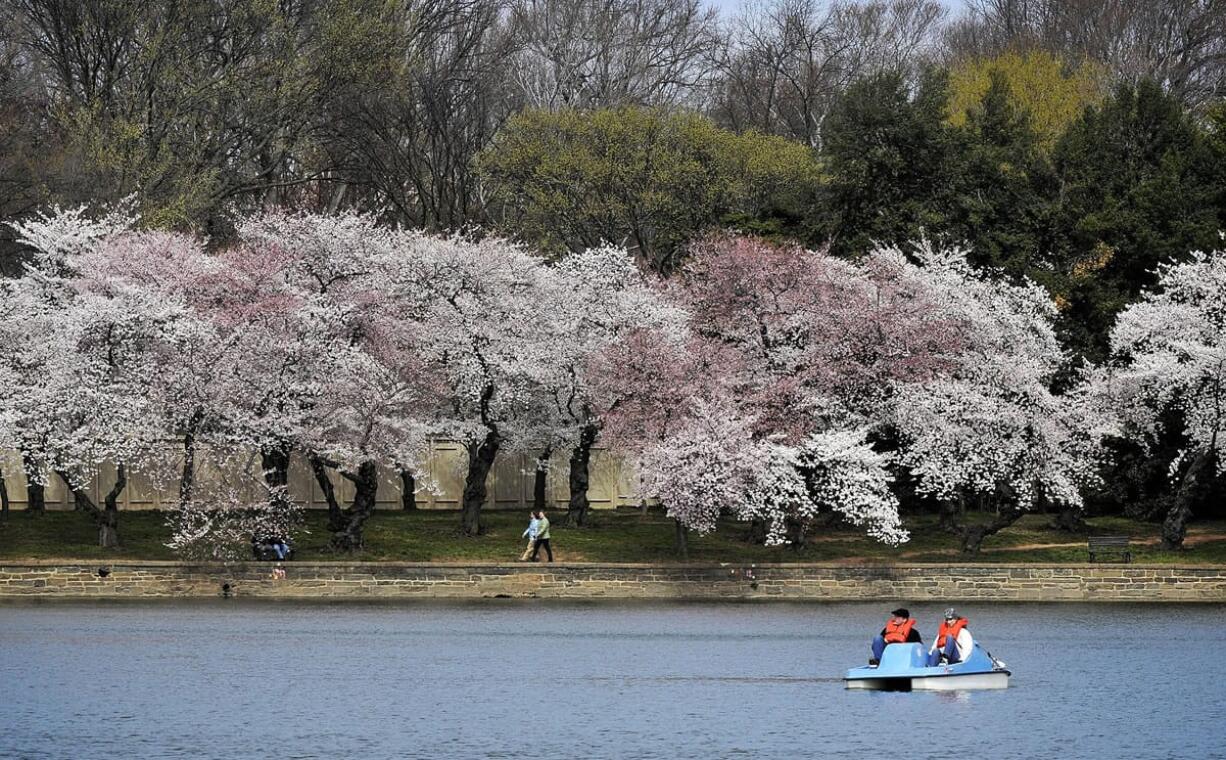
[[338, 580], [613, 483]]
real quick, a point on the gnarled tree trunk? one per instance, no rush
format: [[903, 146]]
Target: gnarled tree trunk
[[1070, 520], [950, 517], [187, 479], [107, 517], [366, 487], [797, 533], [1191, 490], [579, 480], [36, 491], [336, 519], [108, 529], [973, 535], [480, 462]]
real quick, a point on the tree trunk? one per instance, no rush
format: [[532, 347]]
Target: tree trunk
[[952, 512], [973, 535], [408, 490], [539, 478], [336, 518], [107, 518], [4, 496], [796, 532], [108, 526], [756, 534], [366, 487], [580, 461], [275, 461], [681, 540], [1070, 520], [36, 491], [1195, 480], [480, 462], [187, 480]]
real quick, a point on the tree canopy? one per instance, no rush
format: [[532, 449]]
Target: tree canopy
[[643, 178]]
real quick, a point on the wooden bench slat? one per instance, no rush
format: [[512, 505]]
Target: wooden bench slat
[[1110, 545]]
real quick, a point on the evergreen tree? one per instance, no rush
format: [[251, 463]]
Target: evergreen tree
[[1136, 189], [891, 162], [1006, 188]]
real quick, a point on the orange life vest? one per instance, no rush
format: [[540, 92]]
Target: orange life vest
[[949, 630], [897, 633]]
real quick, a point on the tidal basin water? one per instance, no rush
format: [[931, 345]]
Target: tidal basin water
[[232, 679]]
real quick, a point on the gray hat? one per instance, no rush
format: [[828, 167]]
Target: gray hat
[[950, 614]]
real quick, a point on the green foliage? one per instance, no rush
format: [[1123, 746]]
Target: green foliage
[[207, 105], [1137, 188], [1052, 94], [891, 161], [649, 178], [1006, 188]]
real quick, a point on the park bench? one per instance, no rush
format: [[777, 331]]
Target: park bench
[[1110, 545]]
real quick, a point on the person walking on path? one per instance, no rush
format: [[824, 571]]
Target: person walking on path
[[533, 528], [542, 538]]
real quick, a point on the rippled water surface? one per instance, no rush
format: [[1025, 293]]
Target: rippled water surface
[[512, 679]]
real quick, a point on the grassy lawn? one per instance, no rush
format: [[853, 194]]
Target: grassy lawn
[[624, 536]]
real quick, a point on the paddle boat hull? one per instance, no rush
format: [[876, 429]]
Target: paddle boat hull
[[904, 667]]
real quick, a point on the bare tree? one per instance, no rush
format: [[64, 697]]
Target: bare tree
[[786, 61], [596, 53], [197, 105], [408, 144], [27, 139], [1178, 43]]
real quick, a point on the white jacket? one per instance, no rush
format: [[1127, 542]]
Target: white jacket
[[965, 644]]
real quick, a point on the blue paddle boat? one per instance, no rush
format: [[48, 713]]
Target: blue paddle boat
[[904, 667]]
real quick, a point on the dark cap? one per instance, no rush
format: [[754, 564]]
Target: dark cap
[[901, 612]]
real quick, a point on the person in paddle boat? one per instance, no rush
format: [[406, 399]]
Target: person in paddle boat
[[899, 629], [953, 642]]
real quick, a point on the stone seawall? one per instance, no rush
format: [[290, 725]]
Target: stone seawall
[[387, 580]]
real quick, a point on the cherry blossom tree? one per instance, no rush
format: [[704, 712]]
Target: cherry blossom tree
[[809, 367], [791, 355], [481, 311], [989, 426], [186, 390], [198, 388], [351, 386], [605, 297], [80, 351], [54, 238], [1169, 363]]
